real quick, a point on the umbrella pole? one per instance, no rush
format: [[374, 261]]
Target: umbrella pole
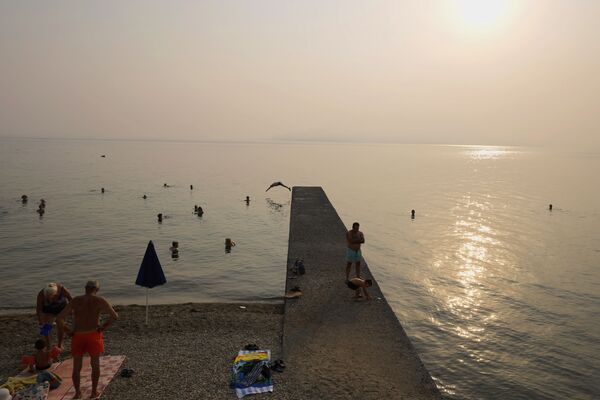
[[146, 306]]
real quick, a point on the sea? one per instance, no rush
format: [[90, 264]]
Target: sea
[[499, 295]]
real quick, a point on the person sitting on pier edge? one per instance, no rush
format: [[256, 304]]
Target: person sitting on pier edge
[[358, 284]]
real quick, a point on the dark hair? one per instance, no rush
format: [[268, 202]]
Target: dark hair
[[369, 282], [40, 344], [355, 224]]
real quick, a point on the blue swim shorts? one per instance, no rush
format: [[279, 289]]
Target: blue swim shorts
[[353, 255]]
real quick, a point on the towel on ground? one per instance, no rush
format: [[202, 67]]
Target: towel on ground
[[15, 383], [33, 392], [251, 372]]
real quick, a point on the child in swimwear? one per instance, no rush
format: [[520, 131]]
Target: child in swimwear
[[43, 357]]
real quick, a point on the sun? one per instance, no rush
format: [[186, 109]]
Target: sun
[[481, 14]]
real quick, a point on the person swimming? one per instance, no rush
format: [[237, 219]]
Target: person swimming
[[160, 217], [248, 200], [144, 197], [24, 199], [229, 244]]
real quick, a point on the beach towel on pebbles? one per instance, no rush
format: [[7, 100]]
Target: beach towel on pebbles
[[251, 372], [33, 392]]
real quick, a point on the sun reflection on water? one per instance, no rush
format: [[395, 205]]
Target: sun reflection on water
[[487, 152], [473, 252]]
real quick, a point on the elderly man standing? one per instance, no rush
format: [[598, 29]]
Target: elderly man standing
[[87, 336]]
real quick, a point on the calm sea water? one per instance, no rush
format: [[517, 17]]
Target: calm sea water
[[500, 296]]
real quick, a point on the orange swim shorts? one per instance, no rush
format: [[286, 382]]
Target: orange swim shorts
[[89, 342]]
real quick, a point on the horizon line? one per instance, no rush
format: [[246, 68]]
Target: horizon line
[[265, 141]]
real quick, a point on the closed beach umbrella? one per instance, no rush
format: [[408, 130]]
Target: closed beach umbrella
[[150, 273]]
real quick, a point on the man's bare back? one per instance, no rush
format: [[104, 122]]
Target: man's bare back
[[87, 309], [87, 336]]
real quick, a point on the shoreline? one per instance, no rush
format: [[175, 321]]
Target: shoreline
[[334, 347], [19, 311]]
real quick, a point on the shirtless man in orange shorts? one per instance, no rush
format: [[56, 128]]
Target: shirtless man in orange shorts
[[86, 332]]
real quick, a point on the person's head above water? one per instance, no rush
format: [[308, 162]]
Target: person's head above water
[[92, 287]]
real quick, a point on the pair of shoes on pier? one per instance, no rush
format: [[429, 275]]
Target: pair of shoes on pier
[[278, 365]]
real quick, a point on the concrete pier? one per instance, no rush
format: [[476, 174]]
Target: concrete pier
[[336, 346]]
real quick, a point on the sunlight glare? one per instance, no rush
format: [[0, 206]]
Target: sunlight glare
[[481, 14]]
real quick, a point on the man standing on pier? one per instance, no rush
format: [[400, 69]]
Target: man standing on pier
[[86, 332], [354, 238]]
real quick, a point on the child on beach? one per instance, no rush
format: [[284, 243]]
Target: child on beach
[[43, 357]]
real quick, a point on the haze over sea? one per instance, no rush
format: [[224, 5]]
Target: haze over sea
[[500, 296]]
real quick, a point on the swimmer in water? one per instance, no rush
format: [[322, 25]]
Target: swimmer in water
[[248, 200], [277, 184]]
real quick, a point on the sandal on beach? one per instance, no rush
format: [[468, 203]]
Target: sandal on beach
[[127, 372], [278, 365]]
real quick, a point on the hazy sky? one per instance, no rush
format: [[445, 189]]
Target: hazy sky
[[465, 72]]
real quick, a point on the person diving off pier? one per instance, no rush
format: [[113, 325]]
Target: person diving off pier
[[277, 184]]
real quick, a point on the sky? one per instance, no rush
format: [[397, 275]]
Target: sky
[[495, 72]]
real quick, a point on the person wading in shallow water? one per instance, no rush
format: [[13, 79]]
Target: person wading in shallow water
[[354, 238], [87, 333]]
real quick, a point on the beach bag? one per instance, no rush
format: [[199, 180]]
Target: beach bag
[[53, 379]]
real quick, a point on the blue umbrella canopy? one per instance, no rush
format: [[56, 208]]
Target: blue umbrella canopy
[[150, 273]]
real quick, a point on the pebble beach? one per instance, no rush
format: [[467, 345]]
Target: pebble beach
[[185, 352]]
